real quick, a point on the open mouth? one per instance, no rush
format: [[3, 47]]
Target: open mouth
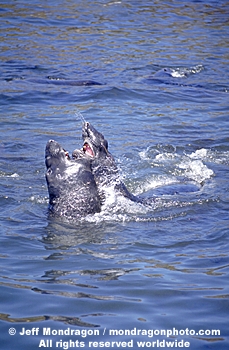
[[88, 150]]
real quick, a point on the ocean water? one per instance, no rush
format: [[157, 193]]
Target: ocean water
[[153, 77]]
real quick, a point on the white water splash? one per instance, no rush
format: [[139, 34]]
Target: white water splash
[[185, 72], [14, 175], [179, 165], [199, 154], [196, 170]]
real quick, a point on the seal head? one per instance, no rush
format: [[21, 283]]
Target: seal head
[[104, 168], [72, 188]]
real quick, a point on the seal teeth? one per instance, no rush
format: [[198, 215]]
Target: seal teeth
[[88, 150]]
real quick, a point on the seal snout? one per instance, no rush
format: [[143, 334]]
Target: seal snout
[[54, 149]]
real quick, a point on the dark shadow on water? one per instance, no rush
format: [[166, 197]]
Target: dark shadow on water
[[73, 321], [63, 235]]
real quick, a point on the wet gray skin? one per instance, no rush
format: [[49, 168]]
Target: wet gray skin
[[72, 189], [103, 166]]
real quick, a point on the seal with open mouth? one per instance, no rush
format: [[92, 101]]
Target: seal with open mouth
[[106, 174], [72, 189], [103, 166]]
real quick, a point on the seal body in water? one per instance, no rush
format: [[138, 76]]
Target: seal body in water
[[72, 189], [103, 165], [106, 174]]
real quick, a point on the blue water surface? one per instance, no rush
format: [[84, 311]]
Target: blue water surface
[[152, 76]]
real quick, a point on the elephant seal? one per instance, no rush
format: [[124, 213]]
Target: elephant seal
[[103, 166], [71, 185], [106, 174]]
